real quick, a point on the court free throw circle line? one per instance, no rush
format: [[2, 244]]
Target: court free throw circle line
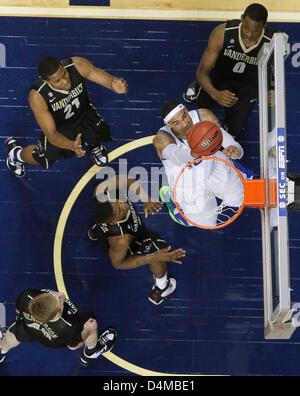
[[59, 238]]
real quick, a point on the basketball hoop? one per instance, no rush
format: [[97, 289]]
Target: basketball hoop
[[250, 193]]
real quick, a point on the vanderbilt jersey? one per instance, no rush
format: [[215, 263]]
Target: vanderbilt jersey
[[235, 61], [144, 241], [132, 224], [57, 334], [68, 108]]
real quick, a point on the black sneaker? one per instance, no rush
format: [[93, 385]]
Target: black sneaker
[[92, 234], [99, 156], [192, 92], [158, 295], [2, 332], [105, 344], [14, 165]]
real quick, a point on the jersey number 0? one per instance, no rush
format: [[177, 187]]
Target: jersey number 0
[[239, 67]]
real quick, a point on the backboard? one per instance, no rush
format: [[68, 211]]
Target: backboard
[[273, 163]]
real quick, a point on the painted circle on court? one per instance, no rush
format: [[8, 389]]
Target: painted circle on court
[[59, 237]]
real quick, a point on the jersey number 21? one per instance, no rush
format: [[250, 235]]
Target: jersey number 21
[[68, 109]]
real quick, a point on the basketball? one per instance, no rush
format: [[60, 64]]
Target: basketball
[[205, 138]]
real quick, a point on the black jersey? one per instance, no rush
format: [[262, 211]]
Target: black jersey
[[235, 61], [132, 224], [68, 108], [64, 331]]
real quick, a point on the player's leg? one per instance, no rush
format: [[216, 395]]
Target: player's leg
[[95, 345], [95, 131], [11, 338], [165, 195], [7, 342], [43, 154], [26, 155]]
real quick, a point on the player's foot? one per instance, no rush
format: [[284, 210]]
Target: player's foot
[[13, 163], [165, 194], [158, 295], [2, 332], [192, 92], [92, 234], [99, 156], [105, 344]]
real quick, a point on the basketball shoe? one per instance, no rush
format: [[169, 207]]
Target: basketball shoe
[[92, 234], [99, 155], [105, 343], [165, 194], [158, 295], [192, 92], [13, 162]]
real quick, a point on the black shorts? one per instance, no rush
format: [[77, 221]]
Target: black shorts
[[236, 117], [146, 242], [149, 244], [93, 128], [23, 334]]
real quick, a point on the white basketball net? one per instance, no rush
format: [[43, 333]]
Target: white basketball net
[[209, 192]]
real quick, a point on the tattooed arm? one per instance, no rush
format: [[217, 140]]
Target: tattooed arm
[[161, 141], [120, 260], [118, 253]]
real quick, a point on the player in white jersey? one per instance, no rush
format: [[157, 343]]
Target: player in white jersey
[[173, 150]]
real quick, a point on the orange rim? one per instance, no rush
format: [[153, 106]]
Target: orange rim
[[233, 218]]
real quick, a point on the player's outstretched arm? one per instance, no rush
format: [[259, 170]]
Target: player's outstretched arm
[[128, 186], [120, 260], [100, 76]]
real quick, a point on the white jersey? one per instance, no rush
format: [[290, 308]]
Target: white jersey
[[198, 186], [172, 169]]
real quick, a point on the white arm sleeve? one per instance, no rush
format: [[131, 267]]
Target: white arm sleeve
[[179, 156], [229, 141]]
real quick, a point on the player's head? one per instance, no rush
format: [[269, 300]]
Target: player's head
[[253, 20], [176, 116], [108, 210], [46, 306], [52, 71]]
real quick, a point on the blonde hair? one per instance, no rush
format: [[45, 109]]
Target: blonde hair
[[43, 307]]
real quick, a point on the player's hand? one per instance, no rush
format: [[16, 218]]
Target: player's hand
[[167, 255], [226, 98], [232, 152], [119, 85], [152, 207], [77, 146]]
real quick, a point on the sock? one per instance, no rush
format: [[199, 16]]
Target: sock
[[161, 283], [92, 347], [90, 350]]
